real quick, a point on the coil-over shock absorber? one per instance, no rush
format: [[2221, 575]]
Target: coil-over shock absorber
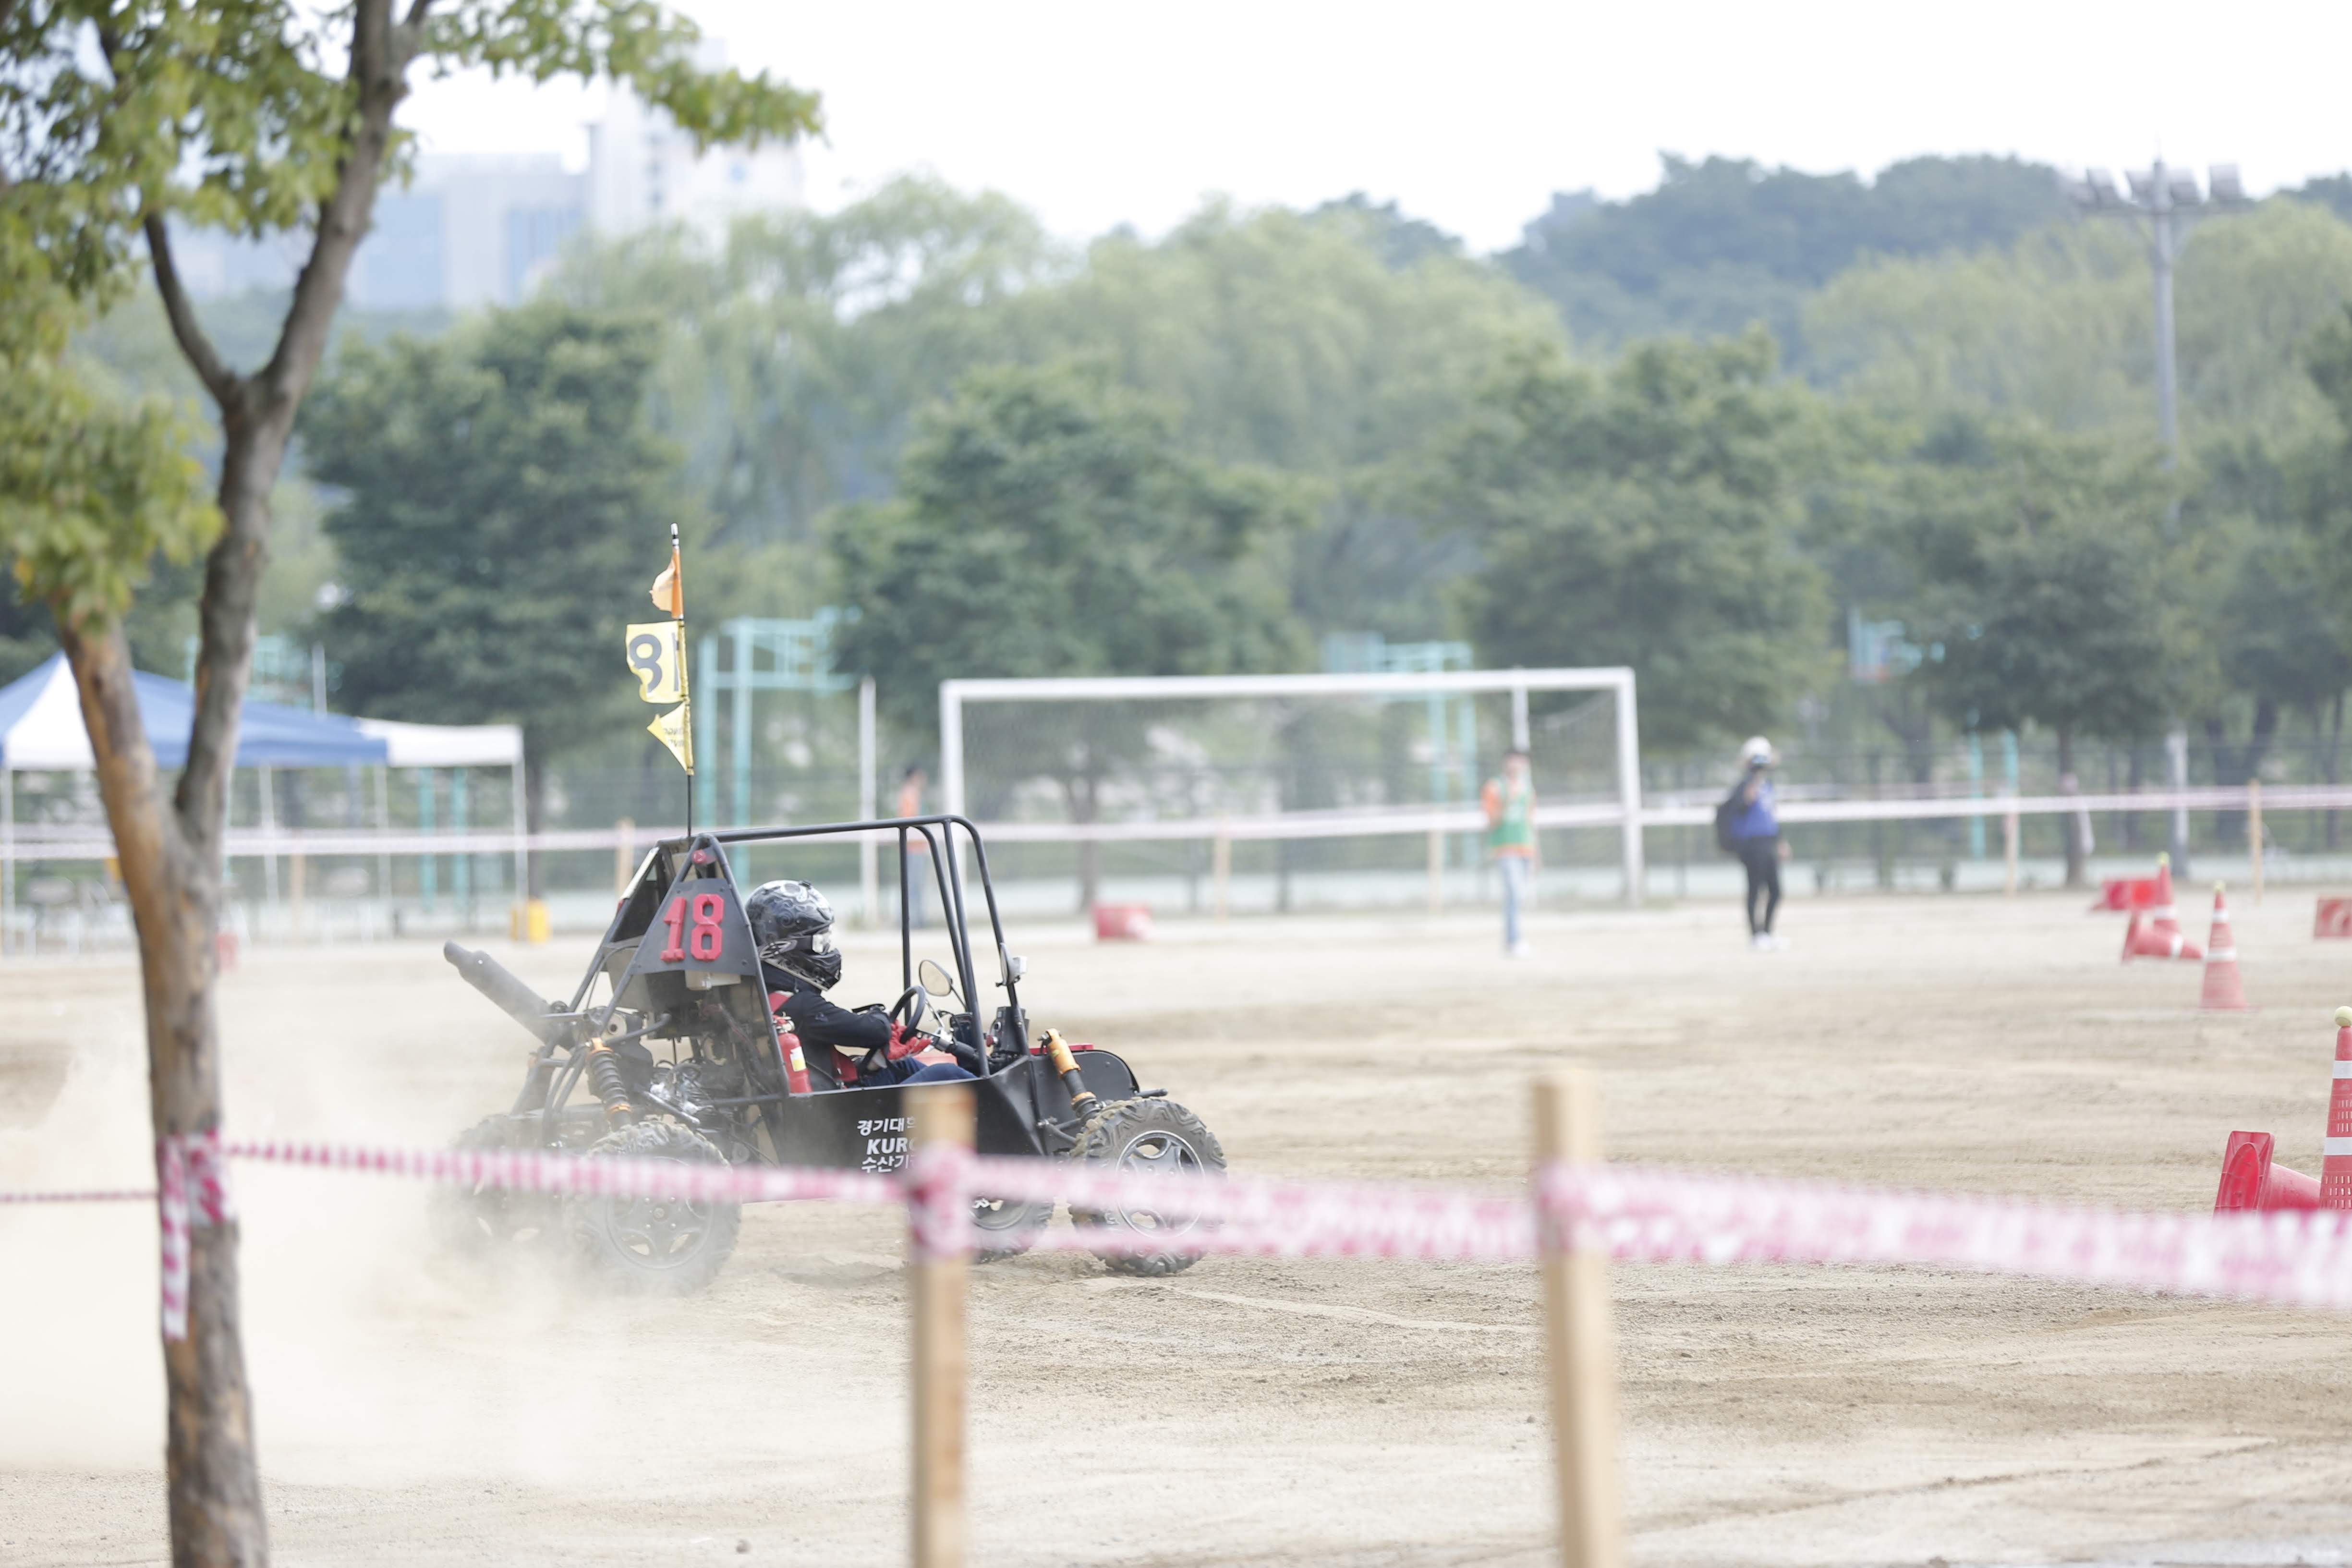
[[604, 1077]]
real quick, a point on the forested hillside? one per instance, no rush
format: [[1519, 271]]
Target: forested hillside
[[1703, 430]]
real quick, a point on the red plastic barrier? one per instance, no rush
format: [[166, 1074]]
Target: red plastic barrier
[[1122, 922], [2124, 894]]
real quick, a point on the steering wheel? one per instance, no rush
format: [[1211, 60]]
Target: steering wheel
[[908, 1010]]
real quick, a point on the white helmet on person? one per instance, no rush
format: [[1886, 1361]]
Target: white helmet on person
[[1757, 752]]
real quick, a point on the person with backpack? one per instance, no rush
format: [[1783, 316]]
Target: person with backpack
[[1747, 825]]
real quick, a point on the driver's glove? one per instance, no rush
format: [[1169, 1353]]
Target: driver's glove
[[904, 1045]]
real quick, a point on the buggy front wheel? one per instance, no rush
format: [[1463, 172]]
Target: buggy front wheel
[[657, 1246], [1153, 1137]]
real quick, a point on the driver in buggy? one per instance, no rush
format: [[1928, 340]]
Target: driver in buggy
[[792, 925]]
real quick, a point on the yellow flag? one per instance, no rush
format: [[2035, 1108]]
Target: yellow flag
[[670, 589], [657, 661], [671, 730]]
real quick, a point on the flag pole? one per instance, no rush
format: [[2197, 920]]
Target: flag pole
[[684, 688]]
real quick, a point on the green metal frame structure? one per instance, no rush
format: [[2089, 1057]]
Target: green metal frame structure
[[760, 655]]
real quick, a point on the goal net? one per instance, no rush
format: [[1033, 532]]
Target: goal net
[[1288, 792]]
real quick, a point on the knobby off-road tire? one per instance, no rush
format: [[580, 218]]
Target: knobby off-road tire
[[1005, 1228], [1147, 1135], [487, 1222], [655, 1245]]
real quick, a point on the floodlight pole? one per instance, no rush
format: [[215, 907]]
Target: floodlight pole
[[2166, 223]]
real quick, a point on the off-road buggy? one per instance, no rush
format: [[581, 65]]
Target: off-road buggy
[[670, 1041]]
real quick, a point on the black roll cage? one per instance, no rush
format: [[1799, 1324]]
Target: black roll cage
[[938, 833]]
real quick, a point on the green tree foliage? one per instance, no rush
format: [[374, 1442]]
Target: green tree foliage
[[97, 490], [1328, 345], [1646, 515], [1295, 342], [1049, 522], [2042, 597], [506, 499], [798, 352], [2059, 328], [1724, 242]]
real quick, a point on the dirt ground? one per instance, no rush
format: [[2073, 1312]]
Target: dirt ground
[[413, 1410]]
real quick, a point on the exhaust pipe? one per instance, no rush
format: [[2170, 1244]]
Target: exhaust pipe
[[511, 996]]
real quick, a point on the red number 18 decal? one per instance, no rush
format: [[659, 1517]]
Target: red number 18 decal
[[709, 938], [709, 941]]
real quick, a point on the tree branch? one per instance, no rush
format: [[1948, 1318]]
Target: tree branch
[[377, 68], [409, 37], [259, 427], [225, 385]]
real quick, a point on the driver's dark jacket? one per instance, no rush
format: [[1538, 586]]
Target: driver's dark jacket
[[821, 1023]]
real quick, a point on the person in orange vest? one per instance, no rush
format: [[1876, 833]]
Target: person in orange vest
[[1510, 803], [918, 848]]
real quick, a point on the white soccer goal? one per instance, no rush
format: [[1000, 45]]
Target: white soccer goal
[[1361, 785]]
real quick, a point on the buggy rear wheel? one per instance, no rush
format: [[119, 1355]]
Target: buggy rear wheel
[[1004, 1228], [658, 1245], [479, 1221], [1146, 1137]]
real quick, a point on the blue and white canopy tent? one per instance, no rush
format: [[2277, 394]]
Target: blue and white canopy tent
[[41, 731]]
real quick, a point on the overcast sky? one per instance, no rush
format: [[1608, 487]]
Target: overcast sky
[[1471, 115]]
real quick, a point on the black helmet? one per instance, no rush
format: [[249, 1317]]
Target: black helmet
[[792, 925]]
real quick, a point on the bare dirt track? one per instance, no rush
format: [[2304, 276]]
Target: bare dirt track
[[413, 1411]]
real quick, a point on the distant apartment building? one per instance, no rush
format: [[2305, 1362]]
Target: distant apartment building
[[476, 230]]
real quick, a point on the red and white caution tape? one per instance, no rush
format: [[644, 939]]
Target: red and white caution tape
[[546, 1171], [191, 1191], [87, 1196], [2301, 1258], [1288, 1219]]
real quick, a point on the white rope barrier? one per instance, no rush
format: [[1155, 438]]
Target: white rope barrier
[[36, 843]]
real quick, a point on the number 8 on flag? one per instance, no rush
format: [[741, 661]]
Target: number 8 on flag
[[656, 660]]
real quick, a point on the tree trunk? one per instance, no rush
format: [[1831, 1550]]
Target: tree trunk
[[2069, 784], [173, 888]]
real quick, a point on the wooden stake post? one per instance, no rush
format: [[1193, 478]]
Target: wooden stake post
[[2254, 832], [941, 1114], [2009, 850], [1579, 1349]]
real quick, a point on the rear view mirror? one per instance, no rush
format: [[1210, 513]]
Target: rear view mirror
[[936, 980]]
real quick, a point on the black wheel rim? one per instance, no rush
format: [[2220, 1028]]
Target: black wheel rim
[[658, 1233], [999, 1215], [1159, 1152]]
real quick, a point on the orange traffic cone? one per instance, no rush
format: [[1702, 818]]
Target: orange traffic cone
[[2164, 918], [2335, 1157], [2143, 939], [2224, 991], [2249, 1180]]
